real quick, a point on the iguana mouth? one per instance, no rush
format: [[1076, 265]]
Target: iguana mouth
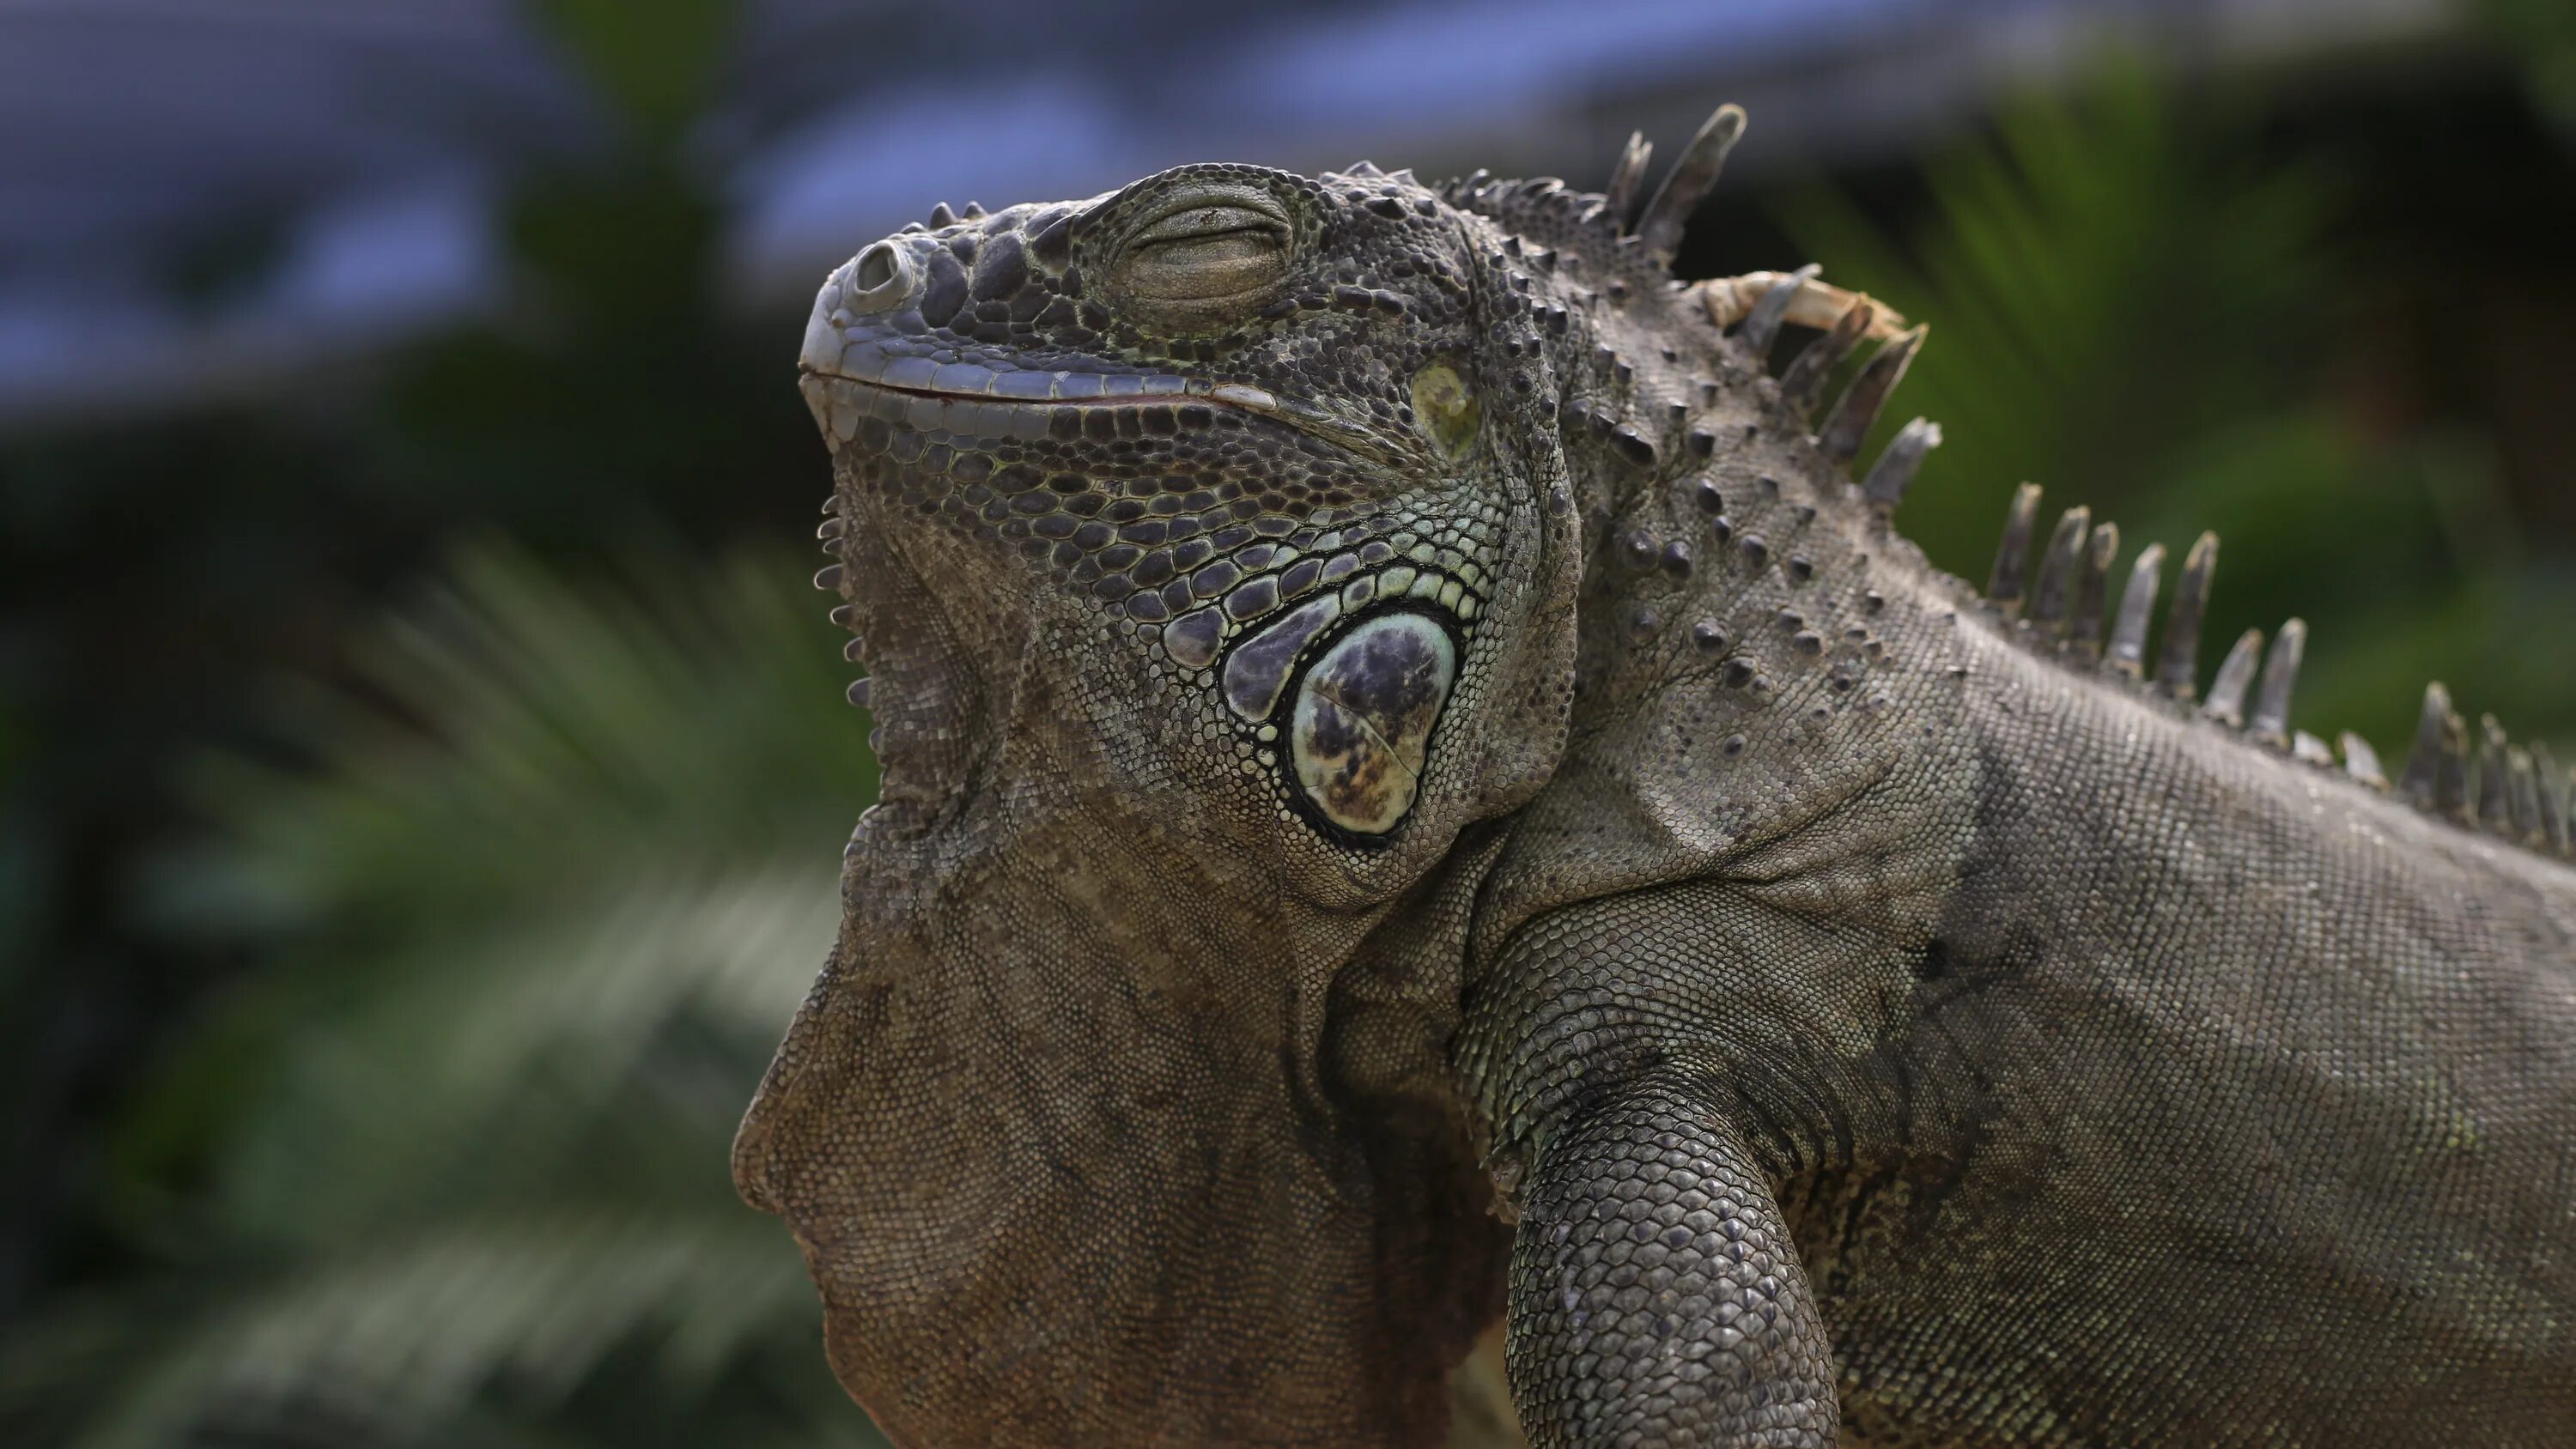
[[870, 363], [972, 400]]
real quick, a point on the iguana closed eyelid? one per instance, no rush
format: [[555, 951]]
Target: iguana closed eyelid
[[1203, 221], [1211, 250]]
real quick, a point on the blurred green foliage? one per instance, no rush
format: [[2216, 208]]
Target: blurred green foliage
[[451, 1167], [521, 883], [2131, 309], [494, 909], [656, 61], [2542, 33]]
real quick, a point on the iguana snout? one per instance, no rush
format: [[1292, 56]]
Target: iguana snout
[[1164, 459]]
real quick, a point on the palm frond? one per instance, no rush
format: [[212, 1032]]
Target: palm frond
[[410, 1332], [562, 866], [2106, 287], [2128, 311]]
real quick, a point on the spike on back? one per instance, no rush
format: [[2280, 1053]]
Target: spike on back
[[1852, 417], [2495, 793], [2523, 791], [2235, 674], [2361, 762], [2012, 555], [1804, 382], [1895, 468], [2092, 589], [2128, 654], [2553, 789], [2451, 771], [2178, 671], [1619, 200], [2424, 757], [1689, 182], [2057, 564], [1761, 326], [2271, 722]]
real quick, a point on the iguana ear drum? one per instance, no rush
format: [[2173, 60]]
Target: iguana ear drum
[[1361, 728]]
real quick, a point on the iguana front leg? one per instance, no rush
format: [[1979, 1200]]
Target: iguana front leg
[[1656, 1301]]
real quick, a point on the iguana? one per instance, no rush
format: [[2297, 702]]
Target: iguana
[[1418, 788]]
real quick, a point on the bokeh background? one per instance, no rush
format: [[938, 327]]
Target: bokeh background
[[423, 761]]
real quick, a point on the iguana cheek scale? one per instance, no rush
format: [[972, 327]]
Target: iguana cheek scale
[[1362, 726], [1421, 782]]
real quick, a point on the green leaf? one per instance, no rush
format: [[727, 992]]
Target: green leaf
[[656, 60], [2129, 310], [455, 1160]]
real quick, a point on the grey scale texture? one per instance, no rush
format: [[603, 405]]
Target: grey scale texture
[[1418, 790]]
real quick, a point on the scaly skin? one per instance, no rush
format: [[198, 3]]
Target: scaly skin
[[1880, 1024]]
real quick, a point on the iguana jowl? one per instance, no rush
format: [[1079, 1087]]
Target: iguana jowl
[[1396, 723]]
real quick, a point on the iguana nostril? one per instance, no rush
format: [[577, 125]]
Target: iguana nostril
[[879, 277]]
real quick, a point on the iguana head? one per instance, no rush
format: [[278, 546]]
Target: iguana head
[[1244, 443], [1212, 550]]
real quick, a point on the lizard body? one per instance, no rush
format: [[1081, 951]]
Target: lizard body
[[1393, 714]]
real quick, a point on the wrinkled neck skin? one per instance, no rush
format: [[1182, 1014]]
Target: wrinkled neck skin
[[1768, 706], [1757, 647], [1057, 1130], [1077, 1111]]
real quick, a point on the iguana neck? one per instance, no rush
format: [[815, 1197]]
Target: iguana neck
[[1754, 638], [1043, 1081], [1034, 1024]]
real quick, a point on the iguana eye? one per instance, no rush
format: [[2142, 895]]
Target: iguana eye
[[1215, 247]]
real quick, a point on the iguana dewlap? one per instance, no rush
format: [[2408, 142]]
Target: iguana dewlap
[[1407, 755]]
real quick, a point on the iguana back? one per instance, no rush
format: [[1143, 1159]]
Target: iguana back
[[2121, 1083], [2124, 1072]]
